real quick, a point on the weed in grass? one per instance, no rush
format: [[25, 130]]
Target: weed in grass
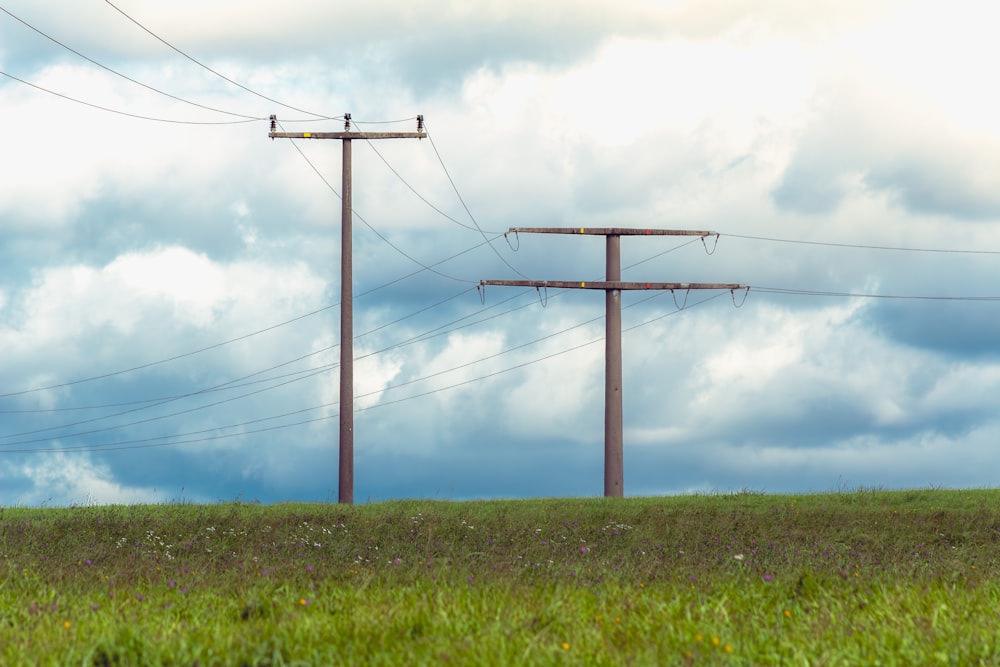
[[746, 578]]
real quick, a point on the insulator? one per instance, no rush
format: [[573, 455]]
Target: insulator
[[274, 122], [347, 122], [420, 122]]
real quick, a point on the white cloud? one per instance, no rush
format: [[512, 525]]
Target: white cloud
[[79, 320], [66, 479], [560, 397], [125, 241]]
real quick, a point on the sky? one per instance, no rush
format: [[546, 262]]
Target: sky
[[170, 276]]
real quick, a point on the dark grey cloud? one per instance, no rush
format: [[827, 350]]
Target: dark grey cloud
[[485, 466], [425, 45], [124, 243], [954, 187], [958, 330], [720, 468], [809, 186]]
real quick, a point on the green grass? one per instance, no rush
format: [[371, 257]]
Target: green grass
[[859, 577]]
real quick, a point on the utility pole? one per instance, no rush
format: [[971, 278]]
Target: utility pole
[[612, 286], [346, 465]]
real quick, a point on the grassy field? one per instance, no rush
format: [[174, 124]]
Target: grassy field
[[859, 577]]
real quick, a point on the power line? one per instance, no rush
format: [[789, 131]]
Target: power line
[[377, 233], [761, 289], [143, 443], [864, 246], [135, 444], [231, 384], [428, 335], [539, 359], [126, 113], [305, 373], [420, 196], [251, 334], [225, 386], [169, 359], [859, 295], [128, 444], [216, 73], [117, 73], [515, 347], [237, 383], [466, 207], [612, 286], [240, 338], [147, 420]]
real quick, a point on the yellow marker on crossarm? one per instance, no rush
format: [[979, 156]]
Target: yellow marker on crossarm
[[581, 230], [307, 134], [583, 284]]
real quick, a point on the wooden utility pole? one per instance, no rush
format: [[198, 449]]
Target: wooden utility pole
[[612, 286], [346, 465]]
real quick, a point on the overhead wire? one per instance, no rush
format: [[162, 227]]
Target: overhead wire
[[430, 334], [465, 206], [126, 113], [151, 441], [423, 267], [242, 337], [215, 72], [168, 359], [127, 445], [305, 374], [405, 182], [225, 386], [862, 295], [538, 359], [467, 364], [119, 74], [772, 290], [312, 372], [230, 384], [861, 246], [437, 153], [301, 375], [143, 421], [237, 383], [509, 349], [377, 233]]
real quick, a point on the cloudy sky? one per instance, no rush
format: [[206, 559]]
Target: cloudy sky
[[169, 276]]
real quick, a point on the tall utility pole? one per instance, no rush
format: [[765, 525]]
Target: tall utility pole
[[346, 466], [612, 286]]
